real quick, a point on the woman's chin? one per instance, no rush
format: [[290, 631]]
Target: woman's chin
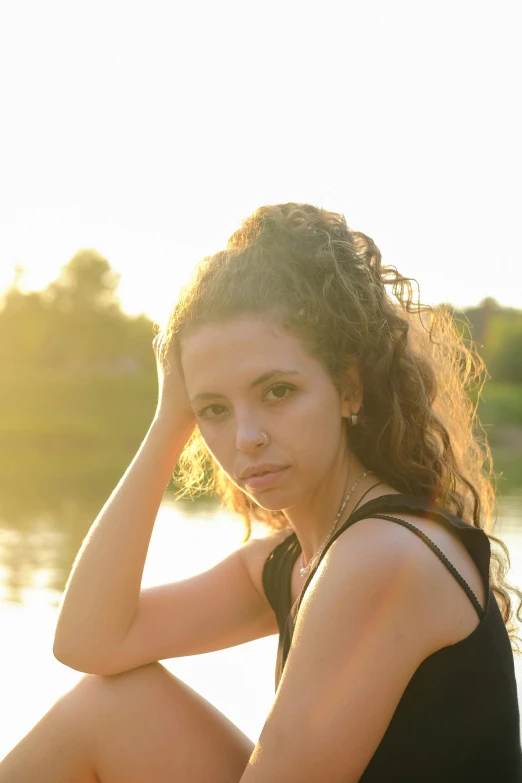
[[272, 501]]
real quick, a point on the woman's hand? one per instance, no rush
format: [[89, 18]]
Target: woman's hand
[[94, 623], [173, 402]]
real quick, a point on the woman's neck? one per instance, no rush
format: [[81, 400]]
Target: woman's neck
[[312, 519]]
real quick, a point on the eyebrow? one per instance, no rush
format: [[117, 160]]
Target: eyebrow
[[261, 379]]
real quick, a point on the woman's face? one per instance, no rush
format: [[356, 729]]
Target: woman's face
[[247, 376]]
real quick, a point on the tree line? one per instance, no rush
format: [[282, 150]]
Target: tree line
[[497, 334], [76, 325]]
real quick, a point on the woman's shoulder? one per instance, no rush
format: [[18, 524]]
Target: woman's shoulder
[[416, 570], [465, 545]]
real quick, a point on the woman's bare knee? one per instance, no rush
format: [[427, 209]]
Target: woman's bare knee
[[146, 724], [133, 727]]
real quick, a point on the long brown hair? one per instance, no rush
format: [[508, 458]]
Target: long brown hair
[[419, 431]]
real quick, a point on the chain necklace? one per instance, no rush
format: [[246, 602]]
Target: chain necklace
[[305, 569]]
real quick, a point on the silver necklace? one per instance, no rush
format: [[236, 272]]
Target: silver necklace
[[305, 569]]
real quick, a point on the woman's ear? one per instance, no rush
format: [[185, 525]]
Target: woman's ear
[[351, 390]]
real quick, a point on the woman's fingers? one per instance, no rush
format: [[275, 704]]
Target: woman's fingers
[[157, 344]]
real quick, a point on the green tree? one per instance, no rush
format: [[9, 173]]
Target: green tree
[[86, 283]]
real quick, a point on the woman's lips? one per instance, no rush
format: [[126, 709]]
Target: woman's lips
[[264, 480]]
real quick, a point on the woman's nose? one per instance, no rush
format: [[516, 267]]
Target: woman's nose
[[249, 438]]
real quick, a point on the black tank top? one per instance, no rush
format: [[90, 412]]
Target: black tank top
[[458, 719]]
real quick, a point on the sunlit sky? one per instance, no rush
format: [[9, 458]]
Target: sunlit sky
[[149, 130]]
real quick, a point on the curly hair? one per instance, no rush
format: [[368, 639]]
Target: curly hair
[[419, 431]]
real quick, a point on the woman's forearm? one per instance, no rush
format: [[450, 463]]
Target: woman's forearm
[[102, 593]]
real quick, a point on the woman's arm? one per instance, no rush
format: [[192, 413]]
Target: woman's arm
[[101, 595], [364, 626]]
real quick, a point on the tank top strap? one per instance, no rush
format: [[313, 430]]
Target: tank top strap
[[474, 539], [433, 546]]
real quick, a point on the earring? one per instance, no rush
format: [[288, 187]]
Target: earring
[[355, 418]]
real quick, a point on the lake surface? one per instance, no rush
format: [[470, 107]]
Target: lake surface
[[187, 539]]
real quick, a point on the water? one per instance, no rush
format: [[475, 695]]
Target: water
[[239, 681]]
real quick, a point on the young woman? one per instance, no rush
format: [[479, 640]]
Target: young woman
[[327, 404]]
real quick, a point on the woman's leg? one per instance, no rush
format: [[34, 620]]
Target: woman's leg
[[142, 726]]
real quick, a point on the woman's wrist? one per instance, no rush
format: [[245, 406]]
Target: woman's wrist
[[173, 424]]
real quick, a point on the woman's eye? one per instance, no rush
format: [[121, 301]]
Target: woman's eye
[[204, 412], [281, 387], [279, 390]]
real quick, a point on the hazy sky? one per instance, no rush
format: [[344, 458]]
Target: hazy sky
[[149, 130]]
